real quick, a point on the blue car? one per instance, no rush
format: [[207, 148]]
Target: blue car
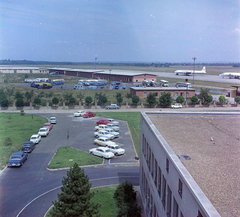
[[112, 106], [17, 159], [28, 146]]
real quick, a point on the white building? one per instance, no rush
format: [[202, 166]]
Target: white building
[[22, 70]]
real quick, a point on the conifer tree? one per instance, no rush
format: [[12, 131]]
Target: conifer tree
[[74, 200]]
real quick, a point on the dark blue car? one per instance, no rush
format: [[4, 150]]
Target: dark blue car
[[28, 146], [17, 159]]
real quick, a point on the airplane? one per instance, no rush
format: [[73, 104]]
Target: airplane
[[190, 72], [230, 75]]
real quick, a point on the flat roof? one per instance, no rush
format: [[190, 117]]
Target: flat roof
[[161, 88], [213, 143], [75, 70], [21, 67]]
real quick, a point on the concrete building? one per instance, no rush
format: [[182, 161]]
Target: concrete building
[[22, 70], [142, 92], [189, 165], [111, 75]]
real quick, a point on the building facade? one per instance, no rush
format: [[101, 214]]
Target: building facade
[[142, 92], [167, 188], [22, 70]]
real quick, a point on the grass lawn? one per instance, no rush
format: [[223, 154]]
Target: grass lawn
[[133, 120], [67, 156], [18, 129], [104, 196]]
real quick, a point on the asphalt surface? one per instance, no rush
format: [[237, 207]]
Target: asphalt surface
[[29, 190]]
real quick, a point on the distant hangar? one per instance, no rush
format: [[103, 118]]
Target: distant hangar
[[116, 75]]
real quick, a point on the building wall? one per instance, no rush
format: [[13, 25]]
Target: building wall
[[175, 93], [142, 77], [167, 188], [19, 71]]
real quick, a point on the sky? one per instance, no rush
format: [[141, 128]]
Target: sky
[[120, 30]]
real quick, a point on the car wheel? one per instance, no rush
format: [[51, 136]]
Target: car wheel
[[90, 152]]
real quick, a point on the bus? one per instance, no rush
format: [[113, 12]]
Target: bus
[[58, 82], [183, 84], [163, 83]]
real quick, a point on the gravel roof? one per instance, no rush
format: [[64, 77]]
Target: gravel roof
[[213, 143]]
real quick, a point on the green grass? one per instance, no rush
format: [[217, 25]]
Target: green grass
[[104, 196], [67, 156], [133, 120], [19, 129]]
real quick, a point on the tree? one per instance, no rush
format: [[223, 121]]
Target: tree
[[10, 92], [135, 99], [180, 99], [18, 95], [88, 100], [67, 96], [55, 101], [204, 96], [165, 99], [129, 95], [37, 101], [4, 102], [237, 99], [72, 100], [119, 100], [151, 99], [29, 95], [100, 98], [222, 99], [19, 102], [194, 100], [80, 96], [74, 200]]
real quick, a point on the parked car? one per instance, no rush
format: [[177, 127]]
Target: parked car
[[112, 121], [28, 146], [17, 159], [102, 152], [103, 141], [176, 106], [115, 128], [53, 120], [35, 138], [101, 127], [116, 149], [104, 134], [102, 121], [43, 131], [79, 113], [48, 125], [112, 106], [89, 114], [113, 132]]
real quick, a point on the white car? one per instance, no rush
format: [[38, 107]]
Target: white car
[[112, 121], [53, 120], [43, 131], [101, 127], [79, 113], [103, 141], [103, 133], [102, 152], [35, 138], [116, 149], [114, 127], [111, 131], [176, 106]]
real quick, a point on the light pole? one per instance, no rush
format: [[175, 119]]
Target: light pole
[[194, 58], [95, 62]]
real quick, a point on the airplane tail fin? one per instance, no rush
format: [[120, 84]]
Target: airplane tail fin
[[204, 69]]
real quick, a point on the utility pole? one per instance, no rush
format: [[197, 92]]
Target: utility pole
[[194, 58], [95, 62]]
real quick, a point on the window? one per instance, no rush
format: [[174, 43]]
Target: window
[[175, 208], [199, 214], [180, 186], [169, 202], [163, 192], [187, 94], [167, 165], [145, 94], [155, 173], [159, 181], [176, 94]]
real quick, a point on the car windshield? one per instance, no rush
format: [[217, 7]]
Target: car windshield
[[42, 130], [106, 140], [46, 124], [107, 150], [26, 145], [117, 147], [15, 158], [33, 137]]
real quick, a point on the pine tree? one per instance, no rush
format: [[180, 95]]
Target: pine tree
[[74, 200]]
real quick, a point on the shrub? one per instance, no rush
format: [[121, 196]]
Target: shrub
[[222, 99], [88, 100], [194, 100], [55, 101], [151, 99], [135, 99], [119, 100], [237, 99], [19, 102], [37, 101], [165, 99], [4, 102], [180, 99], [72, 100]]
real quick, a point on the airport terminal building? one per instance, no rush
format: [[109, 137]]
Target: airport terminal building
[[189, 165]]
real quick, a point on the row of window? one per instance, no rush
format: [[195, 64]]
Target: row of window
[[176, 94], [168, 201]]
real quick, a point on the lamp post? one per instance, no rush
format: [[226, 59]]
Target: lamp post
[[95, 62], [194, 58]]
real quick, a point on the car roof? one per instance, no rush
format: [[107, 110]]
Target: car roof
[[47, 123], [103, 148], [17, 153], [43, 128], [52, 117], [28, 142], [35, 135], [102, 137]]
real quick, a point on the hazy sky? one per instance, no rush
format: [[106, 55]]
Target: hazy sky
[[120, 30]]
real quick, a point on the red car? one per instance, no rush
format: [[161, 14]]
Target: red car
[[89, 114], [48, 125], [103, 121]]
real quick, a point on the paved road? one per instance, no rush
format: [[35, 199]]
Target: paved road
[[29, 190]]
